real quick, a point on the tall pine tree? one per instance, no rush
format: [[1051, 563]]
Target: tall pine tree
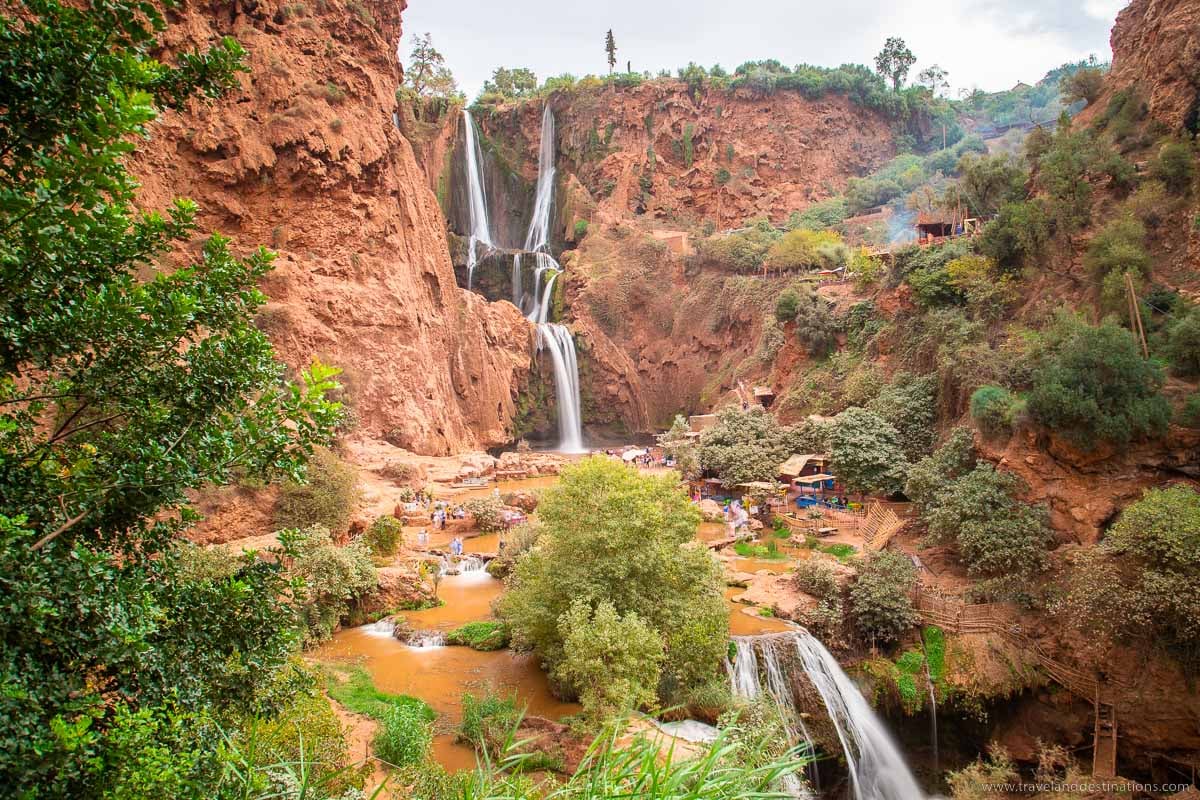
[[610, 47]]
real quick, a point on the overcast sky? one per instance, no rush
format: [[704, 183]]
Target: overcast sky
[[990, 44]]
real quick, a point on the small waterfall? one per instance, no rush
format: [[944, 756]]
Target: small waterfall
[[557, 339], [877, 769], [517, 295], [538, 235], [424, 640], [744, 677], [462, 565], [481, 233], [384, 628]]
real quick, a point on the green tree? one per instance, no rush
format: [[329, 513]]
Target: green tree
[[325, 497], [750, 445], [677, 443], [613, 535], [1082, 84], [427, 74], [119, 395], [611, 662], [865, 452], [909, 404], [332, 577], [610, 50], [935, 79], [894, 61], [1094, 385], [990, 182], [881, 597], [927, 477], [512, 83], [384, 535], [1063, 174], [1182, 346], [997, 535]]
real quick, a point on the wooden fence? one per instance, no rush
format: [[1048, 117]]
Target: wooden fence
[[879, 526]]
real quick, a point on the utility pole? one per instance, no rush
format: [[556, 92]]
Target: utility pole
[[1135, 315]]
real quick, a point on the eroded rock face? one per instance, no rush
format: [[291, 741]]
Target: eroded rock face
[[305, 157], [1156, 45]]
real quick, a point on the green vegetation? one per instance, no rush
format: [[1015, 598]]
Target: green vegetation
[[1143, 581], [484, 635], [488, 721], [1175, 166], [325, 498], [881, 597], [865, 452], [405, 736], [487, 513], [124, 387], [581, 229], [750, 445], [613, 661], [508, 83], [808, 250], [894, 61], [1182, 345], [997, 535], [770, 550], [615, 537], [930, 475], [995, 410], [384, 535], [909, 405], [1083, 84], [333, 577], [426, 74], [1093, 385], [677, 444]]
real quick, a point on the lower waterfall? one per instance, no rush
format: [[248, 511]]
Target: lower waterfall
[[877, 768], [557, 340]]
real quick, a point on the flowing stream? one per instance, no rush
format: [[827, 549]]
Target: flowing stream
[[877, 769]]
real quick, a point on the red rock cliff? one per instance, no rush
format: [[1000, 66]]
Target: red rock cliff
[[306, 158]]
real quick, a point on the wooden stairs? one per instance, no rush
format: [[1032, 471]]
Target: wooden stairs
[[1104, 745]]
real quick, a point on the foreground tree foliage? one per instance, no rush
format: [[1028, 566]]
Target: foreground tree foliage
[[750, 445], [615, 537], [119, 393]]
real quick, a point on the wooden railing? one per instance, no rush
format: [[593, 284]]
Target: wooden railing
[[879, 526]]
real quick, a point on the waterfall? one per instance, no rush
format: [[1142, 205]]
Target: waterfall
[[744, 677], [538, 235], [552, 337], [877, 769], [557, 339], [481, 233]]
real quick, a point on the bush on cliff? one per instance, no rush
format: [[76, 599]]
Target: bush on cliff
[[1093, 385], [613, 535], [332, 577], [881, 597], [326, 497]]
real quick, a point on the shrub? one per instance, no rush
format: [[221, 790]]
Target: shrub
[[742, 251], [881, 597], [581, 229], [816, 326], [996, 534], [384, 535], [1189, 415], [485, 635], [611, 661], [994, 410], [819, 216], [816, 577], [1018, 236], [332, 576], [487, 513], [909, 404], [305, 730], [614, 535], [865, 452], [406, 737], [1182, 347], [1094, 385], [326, 497], [987, 291], [931, 474], [679, 445], [488, 721], [1120, 246], [1175, 166], [809, 250], [1082, 84], [787, 305]]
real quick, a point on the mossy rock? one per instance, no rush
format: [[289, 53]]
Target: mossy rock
[[484, 636]]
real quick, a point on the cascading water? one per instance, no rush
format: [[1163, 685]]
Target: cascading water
[[877, 769], [552, 337], [481, 233]]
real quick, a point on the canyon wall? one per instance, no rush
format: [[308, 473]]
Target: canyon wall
[[306, 157]]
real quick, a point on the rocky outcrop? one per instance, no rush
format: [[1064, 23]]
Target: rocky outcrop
[[1156, 46], [305, 156]]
